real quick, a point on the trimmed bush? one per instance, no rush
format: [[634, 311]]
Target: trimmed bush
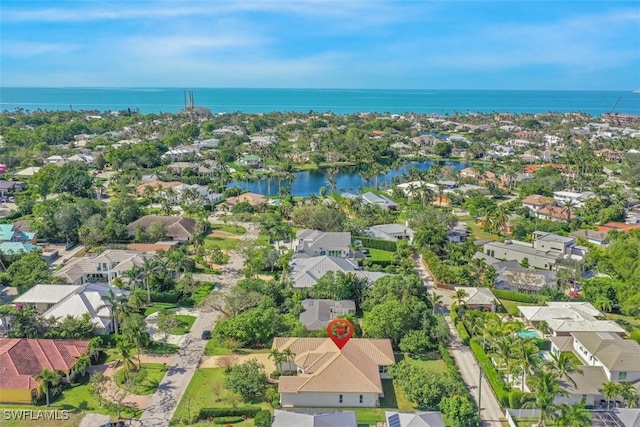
[[171, 296], [490, 372], [262, 419], [227, 420], [248, 411], [385, 245], [517, 296], [462, 331]]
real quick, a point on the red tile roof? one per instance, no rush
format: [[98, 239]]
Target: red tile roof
[[21, 359], [618, 226]]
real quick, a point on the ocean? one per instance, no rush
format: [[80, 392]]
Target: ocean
[[339, 101]]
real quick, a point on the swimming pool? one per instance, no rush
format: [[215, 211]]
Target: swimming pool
[[529, 334]]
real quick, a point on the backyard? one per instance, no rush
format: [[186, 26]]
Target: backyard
[[146, 379], [223, 243]]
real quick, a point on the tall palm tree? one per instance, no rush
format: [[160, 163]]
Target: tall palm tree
[[47, 379], [124, 351], [115, 304], [135, 276], [150, 269], [134, 328], [435, 300], [572, 416], [629, 394], [545, 387], [528, 357], [564, 366], [288, 354], [610, 390], [94, 347]]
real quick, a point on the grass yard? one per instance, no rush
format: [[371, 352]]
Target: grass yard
[[159, 306], [77, 400], [512, 306], [627, 322], [160, 348], [214, 348], [379, 255], [186, 322], [223, 243], [575, 359], [206, 390], [202, 292], [153, 374], [229, 228], [479, 233]]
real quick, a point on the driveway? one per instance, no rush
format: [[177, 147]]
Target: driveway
[[491, 412], [164, 402]]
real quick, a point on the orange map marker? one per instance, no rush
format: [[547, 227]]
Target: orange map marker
[[340, 331]]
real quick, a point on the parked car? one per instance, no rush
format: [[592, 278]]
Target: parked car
[[206, 335]]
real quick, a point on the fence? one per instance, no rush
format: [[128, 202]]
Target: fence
[[512, 414]]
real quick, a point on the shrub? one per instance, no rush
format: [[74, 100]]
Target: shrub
[[171, 296], [385, 245], [262, 419], [462, 331], [515, 398], [490, 372], [227, 420], [248, 411], [635, 335]]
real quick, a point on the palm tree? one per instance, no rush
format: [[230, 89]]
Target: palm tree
[[115, 304], [288, 354], [135, 276], [435, 300], [610, 390], [460, 295], [48, 378], [82, 365], [572, 416], [94, 347], [564, 366], [629, 394], [124, 351], [545, 387], [528, 357], [150, 268], [277, 357]]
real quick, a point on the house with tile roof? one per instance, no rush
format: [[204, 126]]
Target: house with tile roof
[[22, 359], [534, 202], [253, 199], [331, 377], [307, 271], [324, 418], [61, 301], [175, 227], [319, 312], [103, 268], [414, 419], [605, 357]]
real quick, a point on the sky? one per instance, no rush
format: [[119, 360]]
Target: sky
[[395, 44]]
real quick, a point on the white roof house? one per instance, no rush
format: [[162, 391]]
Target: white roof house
[[391, 232], [564, 318], [414, 419], [104, 267], [317, 243], [307, 271], [60, 301], [314, 419]]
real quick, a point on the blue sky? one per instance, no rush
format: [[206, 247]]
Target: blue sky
[[321, 44]]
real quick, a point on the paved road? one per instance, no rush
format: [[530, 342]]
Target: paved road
[[164, 402], [491, 412]]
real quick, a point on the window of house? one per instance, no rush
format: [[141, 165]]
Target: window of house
[[340, 398], [622, 376], [382, 369], [360, 398]]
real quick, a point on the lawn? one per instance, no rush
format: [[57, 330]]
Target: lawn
[[214, 348], [379, 255], [627, 322], [159, 306], [224, 243], [233, 229], [157, 347], [77, 400], [206, 390], [575, 359], [186, 322], [512, 306], [202, 292], [479, 233], [153, 374]]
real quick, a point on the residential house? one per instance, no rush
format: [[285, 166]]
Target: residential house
[[605, 356], [103, 268], [479, 298], [23, 359], [306, 271], [190, 193], [564, 318], [8, 188], [313, 243], [592, 236], [253, 199], [14, 240], [381, 201], [536, 202], [319, 312], [618, 226], [390, 232], [250, 161], [569, 197], [180, 153], [160, 187], [331, 377], [414, 419], [324, 418], [28, 172], [547, 251], [556, 213], [61, 301], [513, 277], [176, 227]]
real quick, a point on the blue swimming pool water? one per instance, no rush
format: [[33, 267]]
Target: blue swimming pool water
[[529, 334]]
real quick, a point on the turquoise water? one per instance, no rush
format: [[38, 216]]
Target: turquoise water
[[529, 334], [340, 101]]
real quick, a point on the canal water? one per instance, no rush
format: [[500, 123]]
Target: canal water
[[348, 179]]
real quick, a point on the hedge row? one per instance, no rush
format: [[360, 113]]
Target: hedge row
[[248, 411], [490, 372], [381, 262], [262, 419], [517, 296], [385, 245], [462, 331]]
